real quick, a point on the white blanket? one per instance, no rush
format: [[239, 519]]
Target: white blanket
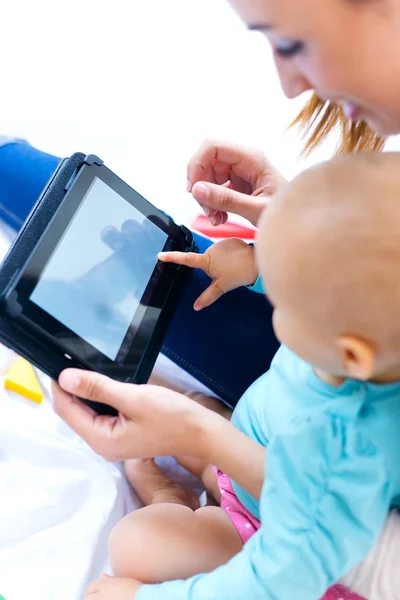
[[58, 504], [58, 500]]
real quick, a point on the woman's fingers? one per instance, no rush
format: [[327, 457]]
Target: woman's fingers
[[187, 259], [209, 296], [216, 217], [99, 388], [225, 177], [223, 200], [247, 162], [96, 430]]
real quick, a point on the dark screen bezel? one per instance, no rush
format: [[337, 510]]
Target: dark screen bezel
[[146, 317]]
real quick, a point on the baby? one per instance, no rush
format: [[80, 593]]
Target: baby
[[328, 410]]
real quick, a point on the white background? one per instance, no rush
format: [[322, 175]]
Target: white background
[[141, 83]]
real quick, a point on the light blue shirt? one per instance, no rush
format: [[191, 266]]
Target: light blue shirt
[[332, 473]]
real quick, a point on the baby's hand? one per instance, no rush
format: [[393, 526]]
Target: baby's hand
[[229, 263], [112, 588]]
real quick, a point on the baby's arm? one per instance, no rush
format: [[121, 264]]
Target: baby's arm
[[230, 264], [237, 455]]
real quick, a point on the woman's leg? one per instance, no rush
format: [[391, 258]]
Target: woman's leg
[[24, 171], [226, 347]]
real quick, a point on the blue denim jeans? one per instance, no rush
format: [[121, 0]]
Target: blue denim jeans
[[226, 346]]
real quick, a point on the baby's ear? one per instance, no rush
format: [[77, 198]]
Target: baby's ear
[[358, 357]]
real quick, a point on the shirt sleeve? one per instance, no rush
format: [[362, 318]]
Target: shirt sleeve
[[257, 286], [323, 504]]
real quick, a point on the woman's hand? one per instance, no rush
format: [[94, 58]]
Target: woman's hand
[[155, 421], [230, 264], [152, 421], [225, 177]]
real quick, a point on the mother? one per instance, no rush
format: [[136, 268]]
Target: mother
[[348, 52]]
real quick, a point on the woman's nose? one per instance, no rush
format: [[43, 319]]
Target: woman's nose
[[293, 82]]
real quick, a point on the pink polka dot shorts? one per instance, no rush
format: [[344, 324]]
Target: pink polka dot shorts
[[244, 522], [338, 592]]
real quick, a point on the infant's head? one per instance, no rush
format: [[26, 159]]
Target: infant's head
[[329, 255]]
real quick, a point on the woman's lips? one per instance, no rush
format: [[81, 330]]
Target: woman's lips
[[351, 111]]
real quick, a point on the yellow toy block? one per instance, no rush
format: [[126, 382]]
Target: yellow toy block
[[21, 378]]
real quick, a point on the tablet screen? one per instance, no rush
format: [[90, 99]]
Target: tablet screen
[[97, 274]]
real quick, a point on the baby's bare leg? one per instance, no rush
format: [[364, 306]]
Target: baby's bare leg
[[204, 472], [153, 487], [163, 542]]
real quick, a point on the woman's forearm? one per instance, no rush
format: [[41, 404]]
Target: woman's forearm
[[240, 457]]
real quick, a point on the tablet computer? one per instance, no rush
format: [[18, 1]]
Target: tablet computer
[[82, 286]]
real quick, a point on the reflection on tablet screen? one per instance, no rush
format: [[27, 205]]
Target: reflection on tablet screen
[[96, 276]]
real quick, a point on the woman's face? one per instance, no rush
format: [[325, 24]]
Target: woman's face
[[347, 51]]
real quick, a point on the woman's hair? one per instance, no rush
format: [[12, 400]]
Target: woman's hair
[[318, 119]]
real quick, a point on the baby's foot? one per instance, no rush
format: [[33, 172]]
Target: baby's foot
[[153, 487], [112, 588]]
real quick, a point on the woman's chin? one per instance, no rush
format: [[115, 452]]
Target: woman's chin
[[383, 128]]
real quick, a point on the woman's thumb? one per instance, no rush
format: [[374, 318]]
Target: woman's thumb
[[224, 199], [93, 386]]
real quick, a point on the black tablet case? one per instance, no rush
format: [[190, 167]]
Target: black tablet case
[[25, 343]]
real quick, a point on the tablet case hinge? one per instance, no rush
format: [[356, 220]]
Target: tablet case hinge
[[92, 159], [189, 239]]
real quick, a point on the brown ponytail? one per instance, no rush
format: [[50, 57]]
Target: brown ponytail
[[318, 119]]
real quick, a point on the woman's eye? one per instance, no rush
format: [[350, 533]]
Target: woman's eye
[[288, 48]]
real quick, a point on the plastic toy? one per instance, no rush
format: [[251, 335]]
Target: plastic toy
[[227, 230], [21, 378]]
